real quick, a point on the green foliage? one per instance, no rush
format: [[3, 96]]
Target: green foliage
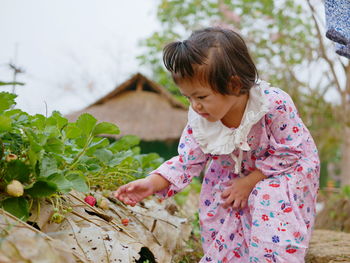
[[346, 191], [17, 206], [194, 186], [50, 155]]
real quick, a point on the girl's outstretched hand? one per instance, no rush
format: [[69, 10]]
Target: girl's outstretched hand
[[134, 192]]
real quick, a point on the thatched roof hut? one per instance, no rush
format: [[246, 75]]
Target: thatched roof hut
[[141, 107]]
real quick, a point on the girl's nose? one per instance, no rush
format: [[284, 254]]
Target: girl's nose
[[197, 106]]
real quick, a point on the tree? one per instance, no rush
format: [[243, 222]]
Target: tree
[[286, 39]]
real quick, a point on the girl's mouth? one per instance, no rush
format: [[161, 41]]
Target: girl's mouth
[[204, 115]]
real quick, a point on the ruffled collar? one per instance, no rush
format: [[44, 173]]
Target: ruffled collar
[[215, 138]]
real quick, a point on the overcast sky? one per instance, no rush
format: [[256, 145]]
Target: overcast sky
[[72, 51]]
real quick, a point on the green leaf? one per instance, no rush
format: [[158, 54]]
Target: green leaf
[[106, 128], [6, 100], [65, 157], [42, 189], [124, 143], [63, 185], [86, 122], [72, 131], [81, 141], [17, 115], [119, 157], [38, 121], [54, 145], [35, 144], [48, 166], [103, 155], [136, 150], [17, 206], [51, 131], [5, 123], [150, 160], [17, 170], [93, 167], [97, 143], [78, 181], [57, 120]]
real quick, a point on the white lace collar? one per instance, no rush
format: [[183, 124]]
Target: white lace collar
[[215, 138]]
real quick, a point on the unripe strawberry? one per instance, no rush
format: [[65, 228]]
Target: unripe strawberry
[[10, 157], [57, 218], [90, 200], [15, 188], [125, 221], [104, 204]]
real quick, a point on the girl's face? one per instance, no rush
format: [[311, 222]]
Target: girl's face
[[209, 104]]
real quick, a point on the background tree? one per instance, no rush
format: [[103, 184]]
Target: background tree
[[286, 39]]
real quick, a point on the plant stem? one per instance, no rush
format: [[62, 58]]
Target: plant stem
[[76, 159]]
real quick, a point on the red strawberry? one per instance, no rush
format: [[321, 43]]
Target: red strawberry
[[125, 221], [90, 200]]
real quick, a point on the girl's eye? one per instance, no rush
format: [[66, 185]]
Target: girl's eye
[[201, 97]]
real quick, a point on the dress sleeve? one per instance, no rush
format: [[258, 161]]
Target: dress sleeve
[[285, 136], [180, 169]]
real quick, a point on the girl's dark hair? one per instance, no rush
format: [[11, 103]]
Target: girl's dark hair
[[213, 55]]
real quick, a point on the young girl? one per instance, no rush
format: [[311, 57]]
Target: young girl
[[257, 202]]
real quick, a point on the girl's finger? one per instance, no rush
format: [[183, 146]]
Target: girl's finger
[[243, 204], [236, 204], [121, 198], [128, 201], [131, 188], [225, 193], [228, 183], [121, 189], [228, 201], [117, 194]]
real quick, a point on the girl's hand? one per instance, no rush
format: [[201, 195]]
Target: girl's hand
[[239, 189], [134, 192], [237, 193]]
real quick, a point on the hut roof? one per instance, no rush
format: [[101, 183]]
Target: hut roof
[[141, 107]]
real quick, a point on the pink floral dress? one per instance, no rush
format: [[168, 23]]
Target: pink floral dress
[[276, 226]]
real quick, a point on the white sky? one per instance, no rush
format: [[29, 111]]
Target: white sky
[[72, 51]]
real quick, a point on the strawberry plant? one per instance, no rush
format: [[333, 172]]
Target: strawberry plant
[[48, 156]]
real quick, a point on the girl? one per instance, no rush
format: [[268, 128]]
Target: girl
[[257, 202]]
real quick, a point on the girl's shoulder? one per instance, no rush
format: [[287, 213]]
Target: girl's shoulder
[[274, 93], [275, 96]]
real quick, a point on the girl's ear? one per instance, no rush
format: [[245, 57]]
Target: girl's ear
[[235, 85]]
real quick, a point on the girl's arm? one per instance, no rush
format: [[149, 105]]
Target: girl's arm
[[288, 139], [253, 178], [159, 182], [171, 177], [180, 170]]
